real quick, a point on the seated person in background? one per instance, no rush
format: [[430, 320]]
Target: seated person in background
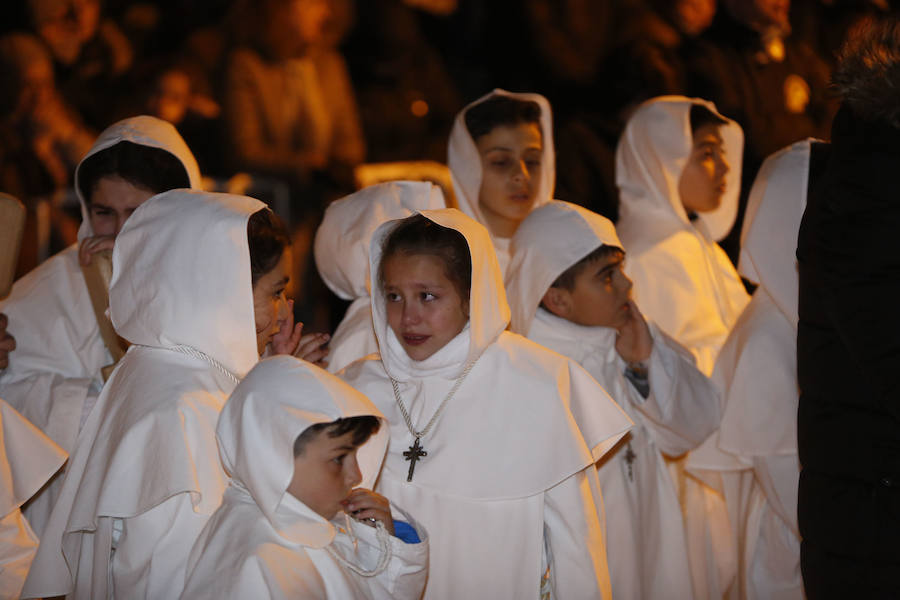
[[342, 256], [42, 138], [502, 162], [569, 292], [28, 459], [289, 436], [54, 376]]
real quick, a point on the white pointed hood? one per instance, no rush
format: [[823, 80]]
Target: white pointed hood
[[145, 131], [278, 399], [465, 162], [488, 310], [342, 240], [650, 157], [550, 240], [181, 276], [772, 222]]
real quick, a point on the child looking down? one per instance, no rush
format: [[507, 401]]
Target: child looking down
[[289, 436]]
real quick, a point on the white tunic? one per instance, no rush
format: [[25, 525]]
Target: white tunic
[[342, 256], [144, 475], [265, 543], [466, 173], [755, 448], [684, 282], [508, 486], [644, 520], [54, 374], [28, 458]]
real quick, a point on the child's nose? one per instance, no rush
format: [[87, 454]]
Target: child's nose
[[354, 475], [411, 314]]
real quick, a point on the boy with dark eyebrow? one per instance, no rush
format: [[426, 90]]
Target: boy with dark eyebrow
[[568, 291]]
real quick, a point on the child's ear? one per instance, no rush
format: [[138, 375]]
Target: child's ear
[[558, 301]]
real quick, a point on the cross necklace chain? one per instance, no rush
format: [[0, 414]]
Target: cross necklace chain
[[417, 452]]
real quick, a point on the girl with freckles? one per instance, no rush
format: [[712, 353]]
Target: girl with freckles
[[474, 412]]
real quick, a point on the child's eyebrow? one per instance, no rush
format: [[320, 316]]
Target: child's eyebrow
[[609, 267], [283, 281]]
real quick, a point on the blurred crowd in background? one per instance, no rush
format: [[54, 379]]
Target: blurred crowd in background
[[284, 99]]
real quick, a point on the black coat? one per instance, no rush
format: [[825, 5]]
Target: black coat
[[848, 358]]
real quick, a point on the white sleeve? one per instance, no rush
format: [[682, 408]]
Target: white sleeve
[[52, 402], [682, 409], [405, 577], [575, 525]]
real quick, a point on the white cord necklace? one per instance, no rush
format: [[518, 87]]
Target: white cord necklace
[[416, 452], [384, 548], [191, 351]]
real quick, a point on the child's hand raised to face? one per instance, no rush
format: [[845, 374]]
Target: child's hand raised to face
[[363, 504], [634, 342], [290, 340]]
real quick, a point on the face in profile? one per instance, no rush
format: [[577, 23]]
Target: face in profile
[[112, 201], [325, 472], [599, 297], [703, 183], [424, 308], [511, 157], [270, 304]]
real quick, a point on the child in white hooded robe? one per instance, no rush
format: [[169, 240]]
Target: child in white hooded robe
[[569, 293], [682, 279], [507, 167], [678, 172], [267, 540], [473, 412], [342, 256], [145, 474], [54, 375], [755, 448], [28, 458]]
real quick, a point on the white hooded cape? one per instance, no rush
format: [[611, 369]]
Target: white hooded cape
[[54, 374], [645, 530], [342, 256], [755, 448], [265, 543], [464, 162], [509, 470], [682, 279], [28, 458], [145, 474]]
